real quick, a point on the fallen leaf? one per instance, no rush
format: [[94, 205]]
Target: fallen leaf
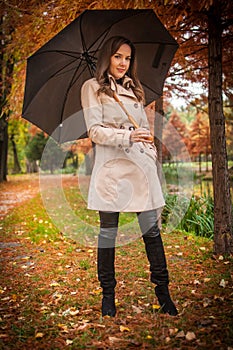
[[82, 326], [54, 284], [207, 279], [39, 335], [180, 334], [63, 327], [173, 331], [190, 336], [155, 307], [167, 339], [97, 291], [124, 329], [222, 283], [69, 342], [206, 302], [196, 282], [114, 339], [137, 309], [148, 337], [2, 335], [73, 311]]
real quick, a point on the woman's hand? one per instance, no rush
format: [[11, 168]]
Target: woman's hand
[[141, 135]]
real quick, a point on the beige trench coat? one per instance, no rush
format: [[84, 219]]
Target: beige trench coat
[[124, 176]]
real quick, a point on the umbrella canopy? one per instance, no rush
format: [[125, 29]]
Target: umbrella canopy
[[56, 72]]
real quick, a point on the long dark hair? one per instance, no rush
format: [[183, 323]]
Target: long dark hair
[[108, 49]]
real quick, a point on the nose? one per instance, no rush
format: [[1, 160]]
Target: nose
[[123, 61]]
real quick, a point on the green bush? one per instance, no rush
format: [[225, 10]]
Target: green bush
[[198, 218]]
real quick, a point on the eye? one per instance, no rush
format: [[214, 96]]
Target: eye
[[117, 56]]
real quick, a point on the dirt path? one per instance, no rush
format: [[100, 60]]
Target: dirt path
[[17, 190]]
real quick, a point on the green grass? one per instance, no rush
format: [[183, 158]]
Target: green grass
[[64, 276], [197, 219]]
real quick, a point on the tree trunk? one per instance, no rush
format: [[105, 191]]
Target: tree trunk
[[17, 168], [3, 149], [6, 70], [199, 160], [223, 242]]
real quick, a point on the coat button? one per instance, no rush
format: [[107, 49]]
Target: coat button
[[141, 150], [136, 105], [120, 146], [127, 150]]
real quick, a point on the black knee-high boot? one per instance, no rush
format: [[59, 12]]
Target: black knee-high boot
[[159, 273], [106, 259], [106, 275]]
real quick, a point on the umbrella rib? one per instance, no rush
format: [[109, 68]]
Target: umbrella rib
[[107, 30], [72, 82]]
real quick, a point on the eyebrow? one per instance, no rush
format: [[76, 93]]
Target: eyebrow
[[118, 53]]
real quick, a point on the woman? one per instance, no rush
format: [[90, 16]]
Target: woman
[[124, 177]]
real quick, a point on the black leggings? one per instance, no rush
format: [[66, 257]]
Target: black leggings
[[109, 224]]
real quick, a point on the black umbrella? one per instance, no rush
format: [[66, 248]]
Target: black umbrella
[[56, 72]]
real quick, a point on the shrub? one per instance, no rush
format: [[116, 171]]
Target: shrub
[[198, 218]]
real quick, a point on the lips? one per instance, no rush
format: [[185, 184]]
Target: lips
[[121, 70]]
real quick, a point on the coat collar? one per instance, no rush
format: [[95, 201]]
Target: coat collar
[[125, 88]]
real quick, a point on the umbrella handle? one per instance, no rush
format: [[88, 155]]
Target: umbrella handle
[[131, 119]]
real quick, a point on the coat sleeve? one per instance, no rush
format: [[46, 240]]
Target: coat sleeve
[[92, 110]]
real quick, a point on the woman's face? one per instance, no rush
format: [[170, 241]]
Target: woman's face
[[120, 61]]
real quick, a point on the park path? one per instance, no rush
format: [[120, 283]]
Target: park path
[[16, 190]]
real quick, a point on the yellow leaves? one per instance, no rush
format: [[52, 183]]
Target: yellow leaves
[[39, 335], [149, 336], [124, 329], [97, 291], [54, 284], [155, 307], [63, 327]]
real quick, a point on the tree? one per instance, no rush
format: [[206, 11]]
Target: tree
[[175, 143], [200, 138], [35, 147], [223, 221], [202, 27]]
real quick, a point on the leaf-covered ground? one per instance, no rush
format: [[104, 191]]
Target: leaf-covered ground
[[50, 295]]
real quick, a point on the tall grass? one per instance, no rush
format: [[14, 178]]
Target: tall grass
[[198, 218]]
